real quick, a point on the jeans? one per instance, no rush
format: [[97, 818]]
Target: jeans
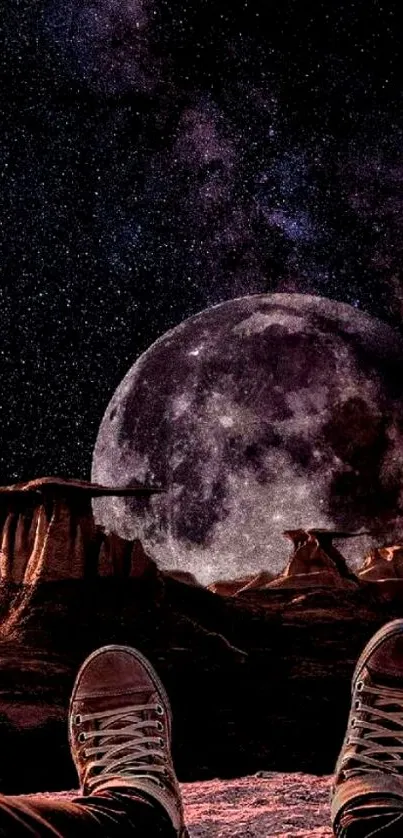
[[383, 818], [107, 815]]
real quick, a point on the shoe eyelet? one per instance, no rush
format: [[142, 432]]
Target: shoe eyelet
[[81, 737], [159, 710], [360, 686], [354, 723], [161, 743], [77, 719], [160, 726], [357, 705]]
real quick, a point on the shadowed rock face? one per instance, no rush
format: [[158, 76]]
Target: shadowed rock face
[[383, 563], [258, 582], [185, 577], [230, 587], [48, 533], [233, 587], [314, 562]]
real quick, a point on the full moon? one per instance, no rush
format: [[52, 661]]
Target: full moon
[[260, 414]]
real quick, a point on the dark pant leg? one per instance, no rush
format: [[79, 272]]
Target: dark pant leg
[[383, 819], [114, 814]]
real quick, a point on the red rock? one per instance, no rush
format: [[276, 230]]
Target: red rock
[[383, 563], [48, 533], [229, 587], [256, 583], [114, 556], [314, 562], [141, 563], [324, 579], [39, 530], [184, 576], [7, 545], [60, 486]]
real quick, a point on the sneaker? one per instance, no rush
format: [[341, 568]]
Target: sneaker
[[120, 729], [370, 765]]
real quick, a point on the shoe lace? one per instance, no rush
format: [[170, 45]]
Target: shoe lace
[[122, 747], [380, 721]]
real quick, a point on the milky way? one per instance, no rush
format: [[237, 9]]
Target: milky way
[[161, 157]]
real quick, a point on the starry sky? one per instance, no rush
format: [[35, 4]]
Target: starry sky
[[161, 156]]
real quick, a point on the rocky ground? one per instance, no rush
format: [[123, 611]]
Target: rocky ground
[[258, 807]]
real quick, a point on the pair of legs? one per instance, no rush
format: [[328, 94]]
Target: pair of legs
[[120, 739]]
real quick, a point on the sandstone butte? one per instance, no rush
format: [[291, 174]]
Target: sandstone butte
[[315, 561], [48, 533]]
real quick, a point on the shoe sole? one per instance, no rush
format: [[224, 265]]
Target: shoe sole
[[388, 630], [140, 658]]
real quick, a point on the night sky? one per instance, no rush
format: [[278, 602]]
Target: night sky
[[161, 156]]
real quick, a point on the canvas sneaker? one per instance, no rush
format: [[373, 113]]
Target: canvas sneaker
[[120, 725]]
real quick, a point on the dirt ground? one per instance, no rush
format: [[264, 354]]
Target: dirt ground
[[257, 807]]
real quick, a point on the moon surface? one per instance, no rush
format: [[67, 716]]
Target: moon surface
[[263, 413]]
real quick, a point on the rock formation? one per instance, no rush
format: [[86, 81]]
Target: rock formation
[[315, 562], [233, 587], [257, 583], [48, 533], [185, 577], [382, 563], [229, 587]]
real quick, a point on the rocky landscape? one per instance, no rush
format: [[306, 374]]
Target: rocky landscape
[[263, 664]]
